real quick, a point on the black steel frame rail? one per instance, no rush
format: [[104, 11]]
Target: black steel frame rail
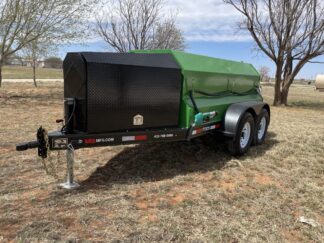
[[60, 141]]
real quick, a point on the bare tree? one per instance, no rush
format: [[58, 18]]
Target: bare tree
[[138, 24], [289, 32], [36, 50], [24, 21], [167, 36], [264, 73]]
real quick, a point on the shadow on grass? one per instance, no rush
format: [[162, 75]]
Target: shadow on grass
[[159, 161], [307, 104]]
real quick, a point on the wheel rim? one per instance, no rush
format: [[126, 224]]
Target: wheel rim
[[262, 127], [245, 135]]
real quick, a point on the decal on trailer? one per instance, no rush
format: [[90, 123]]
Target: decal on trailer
[[96, 140], [138, 120], [134, 138], [168, 135], [105, 140], [60, 143], [205, 129], [89, 140]]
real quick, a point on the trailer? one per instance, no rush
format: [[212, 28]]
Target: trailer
[[154, 96], [319, 82]]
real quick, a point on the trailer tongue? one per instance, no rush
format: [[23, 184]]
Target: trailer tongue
[[154, 96]]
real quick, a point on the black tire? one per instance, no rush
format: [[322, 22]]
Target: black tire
[[235, 146], [259, 138]]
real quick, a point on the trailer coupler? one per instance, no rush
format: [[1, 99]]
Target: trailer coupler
[[42, 145]]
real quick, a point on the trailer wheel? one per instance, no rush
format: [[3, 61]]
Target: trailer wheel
[[261, 127], [244, 136]]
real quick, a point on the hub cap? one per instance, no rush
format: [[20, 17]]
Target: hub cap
[[245, 135], [262, 127]]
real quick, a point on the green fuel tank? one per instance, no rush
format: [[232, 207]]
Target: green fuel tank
[[210, 85]]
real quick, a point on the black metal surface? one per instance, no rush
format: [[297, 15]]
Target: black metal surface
[[118, 86], [75, 86], [60, 141], [69, 115], [40, 144], [27, 145], [42, 147]]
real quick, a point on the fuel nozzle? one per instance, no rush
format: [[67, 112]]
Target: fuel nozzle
[[201, 118]]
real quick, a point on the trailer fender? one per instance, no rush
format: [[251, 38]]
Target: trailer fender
[[236, 111]]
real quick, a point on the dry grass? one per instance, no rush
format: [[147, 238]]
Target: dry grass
[[303, 96], [164, 192], [19, 72]]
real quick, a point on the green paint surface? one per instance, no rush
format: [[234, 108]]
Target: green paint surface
[[229, 81]]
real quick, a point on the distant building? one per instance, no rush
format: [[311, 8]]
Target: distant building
[[24, 62], [29, 63], [14, 62]]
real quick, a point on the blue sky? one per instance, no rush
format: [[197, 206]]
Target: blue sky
[[209, 29]]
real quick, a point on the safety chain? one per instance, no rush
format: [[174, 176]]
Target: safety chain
[[49, 164]]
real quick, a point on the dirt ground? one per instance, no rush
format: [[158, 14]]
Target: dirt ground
[[193, 192]]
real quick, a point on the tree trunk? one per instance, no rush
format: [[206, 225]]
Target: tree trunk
[[284, 96], [277, 93], [278, 81], [282, 84], [34, 73], [0, 74]]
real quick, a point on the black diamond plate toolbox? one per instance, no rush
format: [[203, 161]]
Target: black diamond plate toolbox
[[123, 91]]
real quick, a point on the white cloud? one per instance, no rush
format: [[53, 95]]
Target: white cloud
[[204, 20], [218, 37], [207, 20]]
